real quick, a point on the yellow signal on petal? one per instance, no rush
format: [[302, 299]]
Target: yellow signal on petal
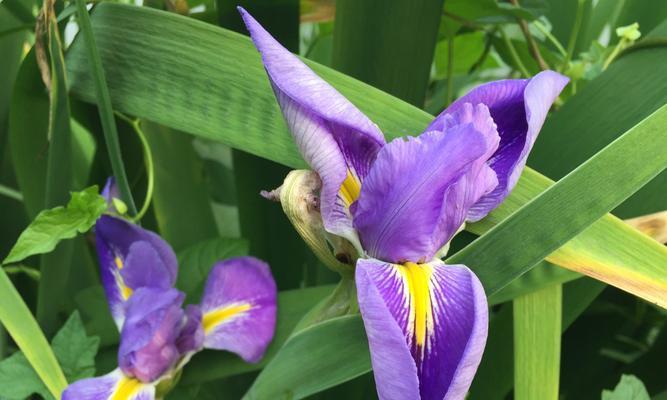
[[125, 291], [212, 319], [350, 189], [119, 262], [126, 388], [417, 277]]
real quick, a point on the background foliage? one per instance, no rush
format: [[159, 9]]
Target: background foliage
[[173, 77]]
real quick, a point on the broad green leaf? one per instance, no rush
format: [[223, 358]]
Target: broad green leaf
[[180, 199], [391, 50], [195, 262], [60, 223], [22, 326], [292, 376], [628, 388], [18, 380], [523, 239], [230, 100], [292, 306], [75, 350], [537, 333]]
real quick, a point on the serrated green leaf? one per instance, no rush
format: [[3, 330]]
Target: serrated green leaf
[[18, 379], [75, 350], [60, 223], [195, 262], [628, 388]]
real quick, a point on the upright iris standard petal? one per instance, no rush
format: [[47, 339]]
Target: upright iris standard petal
[[131, 257], [418, 190], [148, 343], [113, 386], [239, 307], [519, 108], [336, 139], [426, 326]]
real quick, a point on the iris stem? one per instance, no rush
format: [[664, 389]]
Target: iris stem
[[148, 160], [514, 54], [619, 46], [573, 37]]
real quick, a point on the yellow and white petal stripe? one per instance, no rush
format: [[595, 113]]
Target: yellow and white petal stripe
[[113, 386], [434, 314]]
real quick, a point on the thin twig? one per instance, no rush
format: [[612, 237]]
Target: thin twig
[[532, 44], [540, 27]]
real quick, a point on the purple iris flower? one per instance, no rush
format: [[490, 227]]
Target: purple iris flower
[[157, 336], [401, 202]]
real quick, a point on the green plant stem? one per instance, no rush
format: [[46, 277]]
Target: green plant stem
[[617, 50], [11, 193], [573, 37], [450, 70], [530, 40], [148, 160], [514, 54], [105, 109], [543, 29]]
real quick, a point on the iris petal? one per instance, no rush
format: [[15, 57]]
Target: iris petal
[[336, 139], [239, 307], [113, 386], [433, 313], [519, 108], [417, 193], [127, 251]]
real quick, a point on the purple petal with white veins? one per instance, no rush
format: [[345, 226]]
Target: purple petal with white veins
[[239, 307], [115, 385], [426, 326], [417, 193], [148, 342], [115, 239], [519, 108], [336, 139]]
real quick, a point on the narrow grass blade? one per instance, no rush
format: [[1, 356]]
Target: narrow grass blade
[[104, 107], [21, 325]]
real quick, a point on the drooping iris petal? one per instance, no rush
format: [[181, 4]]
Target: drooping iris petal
[[148, 342], [519, 108], [433, 313], [418, 190], [149, 260], [113, 386], [191, 338], [239, 307], [336, 139]]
